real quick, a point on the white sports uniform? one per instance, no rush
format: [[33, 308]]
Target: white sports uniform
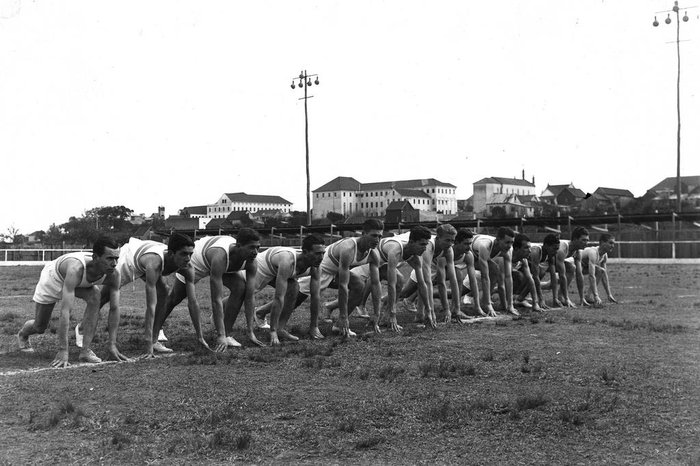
[[593, 252], [362, 271], [330, 265], [129, 255], [480, 240], [267, 270], [199, 261], [433, 263], [50, 287]]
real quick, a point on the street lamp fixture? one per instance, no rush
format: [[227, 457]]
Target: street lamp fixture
[[305, 78], [668, 20]]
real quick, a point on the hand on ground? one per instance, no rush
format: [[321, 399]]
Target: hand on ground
[[61, 359], [221, 344], [117, 356]]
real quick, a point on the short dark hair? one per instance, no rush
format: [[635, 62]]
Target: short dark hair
[[445, 229], [551, 239], [578, 232], [519, 240], [462, 234], [178, 241], [102, 243], [503, 232], [605, 237], [247, 235], [418, 233], [372, 224], [309, 240]]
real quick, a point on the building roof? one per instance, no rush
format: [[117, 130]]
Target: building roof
[[506, 199], [404, 184], [256, 198], [411, 193], [341, 183], [344, 183], [555, 189], [508, 181], [219, 223], [687, 183], [399, 205], [181, 222], [614, 192], [195, 210]]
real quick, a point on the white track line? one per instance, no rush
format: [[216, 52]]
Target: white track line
[[83, 364]]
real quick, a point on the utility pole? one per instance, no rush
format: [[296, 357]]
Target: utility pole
[[668, 20], [305, 78]]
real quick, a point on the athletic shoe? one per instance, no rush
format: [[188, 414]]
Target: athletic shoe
[[336, 329], [361, 312], [325, 313], [161, 336], [409, 305], [161, 348], [232, 343], [265, 324], [89, 357], [24, 344], [78, 337], [524, 303], [261, 323]]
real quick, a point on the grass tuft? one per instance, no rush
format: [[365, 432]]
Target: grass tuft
[[368, 442], [389, 373], [533, 401]]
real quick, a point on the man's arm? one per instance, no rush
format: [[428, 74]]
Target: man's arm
[[346, 258], [486, 304], [441, 283], [427, 260], [579, 278], [112, 284], [532, 284], [251, 270], [605, 280], [393, 259], [218, 262], [563, 281], [589, 255], [508, 281], [376, 287], [285, 270], [473, 283], [153, 278], [416, 262], [74, 275], [455, 286], [315, 290], [192, 304]]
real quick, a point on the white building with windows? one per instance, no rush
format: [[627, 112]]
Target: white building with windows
[[347, 196], [488, 192], [242, 202]]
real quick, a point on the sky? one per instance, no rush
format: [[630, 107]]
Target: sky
[[174, 103]]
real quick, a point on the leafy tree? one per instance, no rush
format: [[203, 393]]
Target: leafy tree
[[110, 218], [335, 217], [54, 236]]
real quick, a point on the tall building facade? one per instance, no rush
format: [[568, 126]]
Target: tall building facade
[[348, 197]]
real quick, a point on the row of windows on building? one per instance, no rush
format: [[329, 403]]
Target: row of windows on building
[[514, 191], [387, 193], [246, 208]]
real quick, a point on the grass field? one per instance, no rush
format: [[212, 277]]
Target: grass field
[[615, 385]]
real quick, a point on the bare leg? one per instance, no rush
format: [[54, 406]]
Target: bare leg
[[42, 315]]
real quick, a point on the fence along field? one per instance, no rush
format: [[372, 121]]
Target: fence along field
[[616, 385]]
